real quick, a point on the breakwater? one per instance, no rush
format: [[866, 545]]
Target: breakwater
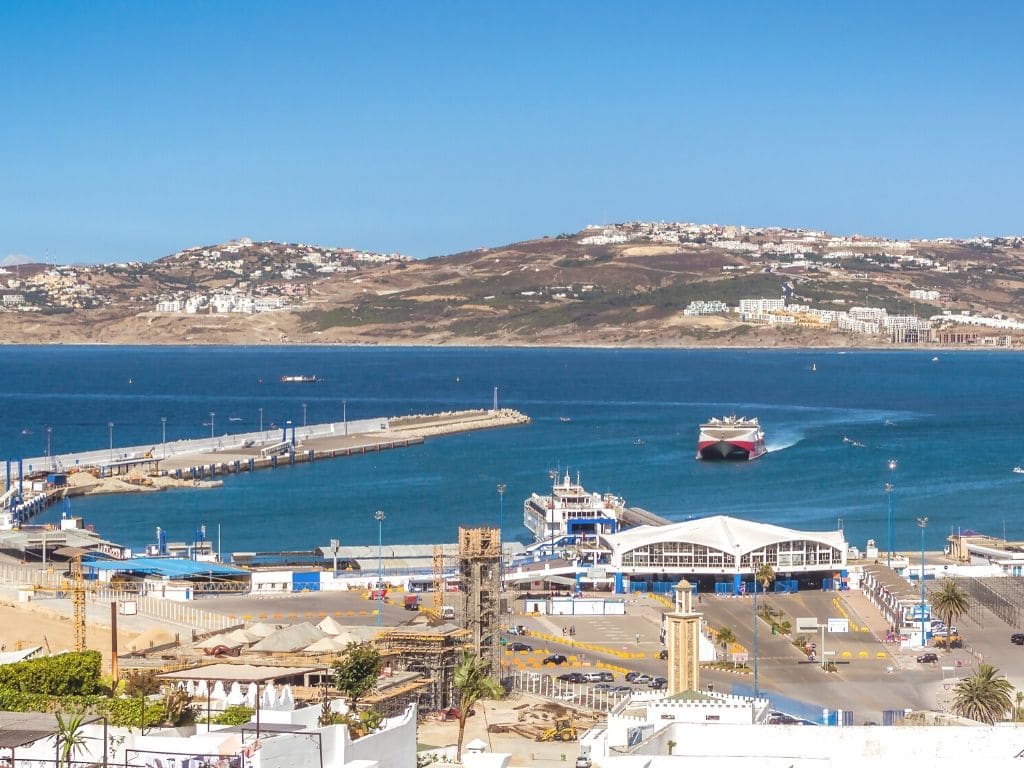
[[197, 463]]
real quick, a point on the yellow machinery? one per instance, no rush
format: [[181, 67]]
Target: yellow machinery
[[75, 587], [563, 730]]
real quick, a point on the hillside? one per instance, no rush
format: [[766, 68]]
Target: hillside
[[626, 284]]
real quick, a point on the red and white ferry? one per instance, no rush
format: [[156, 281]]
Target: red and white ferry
[[731, 438]]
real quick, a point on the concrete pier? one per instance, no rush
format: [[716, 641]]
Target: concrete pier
[[199, 463]]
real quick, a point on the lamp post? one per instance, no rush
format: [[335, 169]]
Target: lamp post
[[755, 629], [212, 414], [344, 415], [335, 545], [303, 414], [501, 505], [922, 523], [889, 487], [49, 432], [261, 419], [379, 517], [163, 435], [110, 435]]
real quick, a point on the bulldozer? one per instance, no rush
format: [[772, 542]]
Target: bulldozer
[[563, 730]]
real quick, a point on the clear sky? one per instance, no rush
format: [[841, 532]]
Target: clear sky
[[129, 130]]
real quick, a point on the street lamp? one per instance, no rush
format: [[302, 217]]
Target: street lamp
[[344, 415], [889, 487], [755, 627], [379, 517], [261, 419], [922, 523], [212, 414], [303, 414], [501, 504], [49, 431], [163, 438], [110, 434], [335, 545]]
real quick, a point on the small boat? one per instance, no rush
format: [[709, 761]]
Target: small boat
[[564, 418], [639, 441], [234, 418], [26, 431], [935, 359], [1018, 470], [814, 366], [299, 379]]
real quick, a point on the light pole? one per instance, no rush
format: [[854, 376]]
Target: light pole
[[163, 435], [335, 545], [110, 434], [344, 415], [755, 629], [303, 414], [261, 419], [501, 505], [379, 517], [889, 487], [212, 414], [49, 431], [922, 523]]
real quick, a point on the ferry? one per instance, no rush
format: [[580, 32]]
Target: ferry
[[570, 511], [731, 438], [299, 379]]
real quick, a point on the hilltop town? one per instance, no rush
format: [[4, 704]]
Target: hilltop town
[[631, 284]]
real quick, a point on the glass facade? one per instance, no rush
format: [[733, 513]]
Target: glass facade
[[783, 555]]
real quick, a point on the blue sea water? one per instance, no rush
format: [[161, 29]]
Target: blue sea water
[[954, 425]]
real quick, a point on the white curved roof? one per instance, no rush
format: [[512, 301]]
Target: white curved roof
[[726, 534]]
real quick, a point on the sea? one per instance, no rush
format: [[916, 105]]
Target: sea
[[622, 421]]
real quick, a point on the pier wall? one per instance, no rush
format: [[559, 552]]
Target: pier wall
[[66, 461]]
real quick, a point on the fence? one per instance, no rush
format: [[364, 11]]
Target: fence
[[1002, 595], [578, 694]]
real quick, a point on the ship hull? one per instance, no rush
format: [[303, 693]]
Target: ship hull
[[726, 450]]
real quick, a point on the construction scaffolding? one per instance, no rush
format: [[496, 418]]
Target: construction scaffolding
[[480, 573], [437, 596], [430, 651]]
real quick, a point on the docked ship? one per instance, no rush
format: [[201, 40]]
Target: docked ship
[[299, 379], [732, 438], [571, 512]]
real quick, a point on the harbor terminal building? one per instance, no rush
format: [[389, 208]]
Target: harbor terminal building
[[718, 554]]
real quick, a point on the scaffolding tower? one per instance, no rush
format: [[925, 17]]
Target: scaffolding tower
[[434, 652], [480, 573], [437, 598]]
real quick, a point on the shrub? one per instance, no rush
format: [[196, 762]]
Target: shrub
[[67, 674]]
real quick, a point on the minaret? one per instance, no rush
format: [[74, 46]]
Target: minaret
[[683, 640]]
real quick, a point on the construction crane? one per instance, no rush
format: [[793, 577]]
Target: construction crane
[[74, 586]]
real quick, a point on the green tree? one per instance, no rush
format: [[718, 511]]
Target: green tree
[[726, 637], [984, 696], [70, 737], [765, 576], [357, 672], [473, 683], [950, 603]]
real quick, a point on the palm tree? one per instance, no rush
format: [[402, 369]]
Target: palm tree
[[70, 736], [950, 603], [473, 683], [983, 696], [726, 637], [765, 576]]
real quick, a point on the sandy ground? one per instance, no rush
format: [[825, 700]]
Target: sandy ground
[[487, 715], [24, 626]]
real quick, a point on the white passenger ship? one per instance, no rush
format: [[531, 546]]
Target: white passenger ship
[[571, 512]]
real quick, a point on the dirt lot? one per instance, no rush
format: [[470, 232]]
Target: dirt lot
[[23, 626]]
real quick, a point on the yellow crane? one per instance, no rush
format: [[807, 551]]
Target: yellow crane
[[74, 586]]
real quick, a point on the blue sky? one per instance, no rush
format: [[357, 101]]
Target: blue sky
[[130, 130]]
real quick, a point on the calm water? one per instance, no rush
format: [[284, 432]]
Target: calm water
[[954, 425]]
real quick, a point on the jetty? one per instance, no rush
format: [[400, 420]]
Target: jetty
[[199, 463]]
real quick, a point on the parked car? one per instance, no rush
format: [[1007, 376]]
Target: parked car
[[1017, 638], [519, 647], [631, 676], [927, 658], [658, 683], [663, 653], [620, 690], [518, 629], [555, 658], [607, 677], [603, 687], [642, 679], [592, 677], [571, 677]]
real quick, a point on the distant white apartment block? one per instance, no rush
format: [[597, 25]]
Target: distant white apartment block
[[170, 305], [13, 299], [751, 307], [701, 308], [924, 295]]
